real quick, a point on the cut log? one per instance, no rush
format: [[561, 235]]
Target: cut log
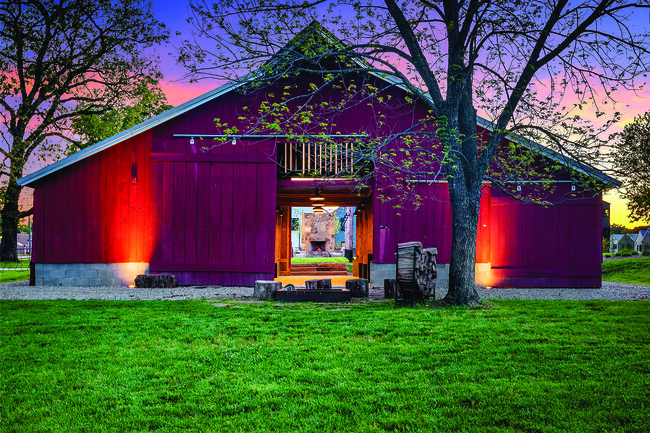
[[390, 288], [318, 284], [265, 289], [159, 281], [358, 287]]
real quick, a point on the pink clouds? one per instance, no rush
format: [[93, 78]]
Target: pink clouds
[[180, 92]]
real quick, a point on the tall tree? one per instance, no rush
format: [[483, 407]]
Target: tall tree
[[60, 60], [631, 157], [512, 61]]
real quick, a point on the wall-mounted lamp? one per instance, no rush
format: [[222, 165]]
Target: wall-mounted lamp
[[518, 187], [191, 140], [359, 210], [279, 211], [573, 186], [234, 141]]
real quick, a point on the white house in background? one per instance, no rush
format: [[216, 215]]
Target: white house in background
[[620, 243], [642, 240]]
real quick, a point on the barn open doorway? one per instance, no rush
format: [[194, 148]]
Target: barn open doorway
[[311, 234]]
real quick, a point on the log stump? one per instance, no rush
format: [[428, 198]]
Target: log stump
[[160, 281], [265, 289], [390, 288], [358, 287], [318, 284]]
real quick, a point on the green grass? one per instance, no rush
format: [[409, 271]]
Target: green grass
[[13, 265], [319, 260], [631, 271], [534, 366], [8, 276]]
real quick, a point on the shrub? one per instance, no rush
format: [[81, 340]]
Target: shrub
[[634, 253], [626, 253], [646, 252], [607, 254], [618, 254]]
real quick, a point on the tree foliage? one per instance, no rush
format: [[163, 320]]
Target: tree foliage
[[512, 62], [60, 60], [148, 101], [631, 157]]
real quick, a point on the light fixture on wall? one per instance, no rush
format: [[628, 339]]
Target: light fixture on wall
[[359, 210], [279, 211]]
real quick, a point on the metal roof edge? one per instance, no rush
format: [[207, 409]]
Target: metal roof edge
[[562, 159], [131, 132]]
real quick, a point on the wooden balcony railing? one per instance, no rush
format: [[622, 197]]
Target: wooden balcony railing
[[318, 159]]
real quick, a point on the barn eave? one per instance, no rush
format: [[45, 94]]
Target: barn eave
[[131, 132]]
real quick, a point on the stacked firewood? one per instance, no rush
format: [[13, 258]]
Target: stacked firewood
[[416, 269]]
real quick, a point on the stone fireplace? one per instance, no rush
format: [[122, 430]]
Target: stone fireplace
[[318, 232]]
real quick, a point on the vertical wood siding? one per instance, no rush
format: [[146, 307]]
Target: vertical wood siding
[[554, 246], [93, 211], [429, 221], [217, 201]]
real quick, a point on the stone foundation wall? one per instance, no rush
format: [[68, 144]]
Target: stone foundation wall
[[88, 274]]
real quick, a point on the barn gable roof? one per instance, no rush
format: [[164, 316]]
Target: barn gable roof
[[313, 28]]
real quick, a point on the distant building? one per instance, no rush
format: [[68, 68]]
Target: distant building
[[621, 242], [642, 240]]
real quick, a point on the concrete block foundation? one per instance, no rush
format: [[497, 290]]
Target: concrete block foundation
[[384, 271], [88, 274]]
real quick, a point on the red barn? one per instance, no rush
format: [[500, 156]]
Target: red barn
[[164, 196]]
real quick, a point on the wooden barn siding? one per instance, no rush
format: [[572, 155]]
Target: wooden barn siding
[[429, 223], [217, 206], [92, 212], [556, 246]]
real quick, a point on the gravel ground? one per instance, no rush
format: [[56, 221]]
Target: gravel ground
[[19, 290]]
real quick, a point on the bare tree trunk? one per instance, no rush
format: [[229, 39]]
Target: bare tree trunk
[[465, 211], [10, 217]]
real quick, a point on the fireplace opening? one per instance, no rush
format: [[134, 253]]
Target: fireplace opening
[[318, 246]]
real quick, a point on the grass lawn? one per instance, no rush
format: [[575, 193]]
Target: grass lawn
[[8, 276], [319, 260], [22, 264], [631, 271], [534, 366]]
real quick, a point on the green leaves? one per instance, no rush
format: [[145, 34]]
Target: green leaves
[[631, 157]]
